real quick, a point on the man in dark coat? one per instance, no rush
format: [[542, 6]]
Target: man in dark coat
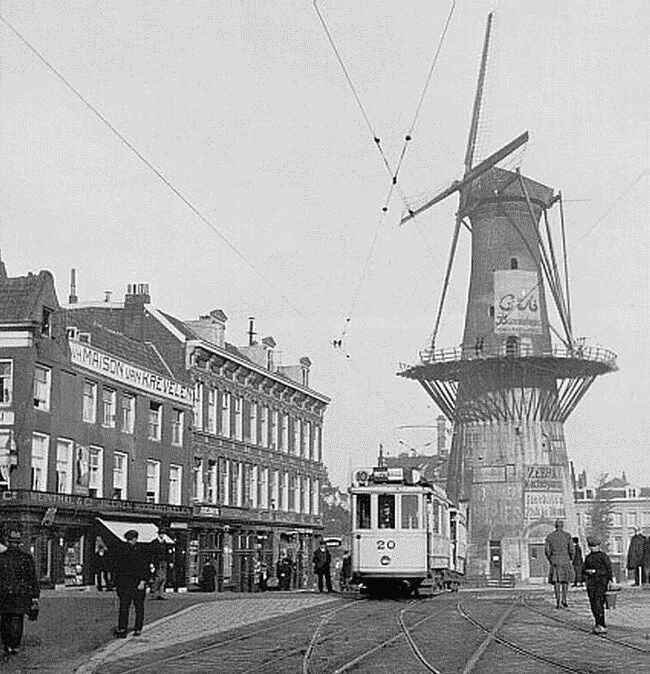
[[284, 571], [322, 561], [558, 549], [19, 592], [159, 560], [597, 573], [577, 562], [131, 571], [636, 557]]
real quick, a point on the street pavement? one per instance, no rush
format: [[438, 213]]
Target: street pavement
[[203, 620]]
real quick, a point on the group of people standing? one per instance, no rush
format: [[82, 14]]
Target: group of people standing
[[565, 558]]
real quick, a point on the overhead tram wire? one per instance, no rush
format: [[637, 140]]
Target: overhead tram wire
[[150, 166]]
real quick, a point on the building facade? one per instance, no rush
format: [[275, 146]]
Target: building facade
[[630, 510]]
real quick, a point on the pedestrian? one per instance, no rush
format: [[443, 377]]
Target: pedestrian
[[159, 561], [131, 571], [101, 562], [208, 576], [598, 574], [322, 560], [346, 570], [19, 592], [558, 549], [636, 557], [284, 571], [577, 562]]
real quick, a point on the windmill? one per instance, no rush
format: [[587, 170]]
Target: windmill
[[515, 379]]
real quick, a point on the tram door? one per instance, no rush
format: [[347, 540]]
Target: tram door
[[495, 560], [537, 560]]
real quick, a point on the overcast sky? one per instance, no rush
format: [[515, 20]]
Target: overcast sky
[[244, 108]]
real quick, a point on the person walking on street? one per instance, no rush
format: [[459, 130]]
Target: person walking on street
[[284, 571], [131, 571], [159, 561], [19, 592], [636, 557], [558, 549], [102, 565], [577, 562], [598, 574], [346, 570], [322, 560]]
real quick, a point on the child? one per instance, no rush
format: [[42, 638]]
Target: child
[[597, 572]]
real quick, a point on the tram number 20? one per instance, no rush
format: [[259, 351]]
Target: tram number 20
[[385, 545]]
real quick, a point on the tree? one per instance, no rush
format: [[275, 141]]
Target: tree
[[600, 514], [335, 510]]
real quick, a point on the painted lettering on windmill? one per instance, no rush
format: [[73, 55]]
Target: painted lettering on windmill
[[516, 301]]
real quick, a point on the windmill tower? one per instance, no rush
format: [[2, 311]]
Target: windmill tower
[[515, 379]]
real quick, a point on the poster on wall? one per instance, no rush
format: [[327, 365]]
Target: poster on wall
[[81, 470], [516, 302], [543, 505]]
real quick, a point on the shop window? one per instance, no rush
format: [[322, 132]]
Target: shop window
[[212, 410], [40, 450], [177, 427], [120, 475], [155, 420], [63, 466], [96, 471], [6, 382], [410, 511], [386, 511], [128, 413], [42, 386], [89, 402], [153, 481], [108, 407], [363, 511]]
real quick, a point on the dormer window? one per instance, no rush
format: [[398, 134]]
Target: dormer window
[[46, 322]]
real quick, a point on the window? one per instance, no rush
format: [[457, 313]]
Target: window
[[40, 448], [319, 442], [296, 493], [175, 482], [212, 410], [6, 382], [514, 263], [284, 435], [178, 418], [197, 479], [435, 517], [225, 414], [155, 420], [153, 481], [631, 519], [291, 491], [297, 427], [42, 381], [90, 402], [239, 426], [108, 408], [120, 470], [309, 451], [410, 511], [6, 444], [307, 508], [128, 413], [198, 406], [386, 511], [284, 493], [512, 346], [275, 440], [46, 322], [253, 423], [256, 483], [264, 426], [617, 519], [63, 466], [240, 485], [223, 480], [275, 491], [316, 497], [211, 484], [617, 545], [96, 471], [362, 511], [645, 519]]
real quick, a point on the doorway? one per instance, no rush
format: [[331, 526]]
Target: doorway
[[537, 560], [495, 560]]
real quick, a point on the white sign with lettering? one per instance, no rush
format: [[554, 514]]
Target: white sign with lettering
[[516, 302], [109, 366]]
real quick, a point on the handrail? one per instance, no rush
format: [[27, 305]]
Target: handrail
[[451, 354]]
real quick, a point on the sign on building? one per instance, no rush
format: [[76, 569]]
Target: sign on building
[[516, 302]]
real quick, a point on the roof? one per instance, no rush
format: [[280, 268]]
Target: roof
[[180, 326], [19, 296], [615, 483]]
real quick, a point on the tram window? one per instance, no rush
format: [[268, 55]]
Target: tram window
[[435, 523], [386, 514], [410, 511], [363, 511]]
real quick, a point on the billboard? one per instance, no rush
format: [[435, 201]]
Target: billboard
[[516, 302]]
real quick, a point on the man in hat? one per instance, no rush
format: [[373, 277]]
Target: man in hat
[[636, 556], [597, 573], [159, 560], [131, 571], [19, 592], [322, 560], [558, 549]]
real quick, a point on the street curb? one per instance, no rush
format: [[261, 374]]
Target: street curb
[[91, 664]]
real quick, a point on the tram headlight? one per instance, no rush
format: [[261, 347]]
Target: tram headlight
[[385, 560]]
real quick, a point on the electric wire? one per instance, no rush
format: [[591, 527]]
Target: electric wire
[[150, 165]]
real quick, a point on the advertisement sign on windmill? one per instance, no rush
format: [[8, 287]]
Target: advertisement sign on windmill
[[516, 301]]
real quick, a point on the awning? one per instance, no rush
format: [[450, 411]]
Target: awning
[[146, 530]]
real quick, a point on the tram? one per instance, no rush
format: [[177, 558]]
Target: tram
[[405, 532]]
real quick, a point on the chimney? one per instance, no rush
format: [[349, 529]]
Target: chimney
[[441, 422], [251, 331], [137, 295], [72, 297], [3, 270]]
